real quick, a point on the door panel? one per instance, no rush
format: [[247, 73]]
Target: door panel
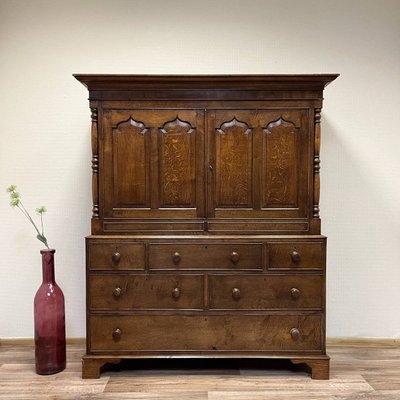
[[233, 159], [154, 162], [280, 161], [285, 162], [232, 174], [259, 163], [131, 161], [177, 169]]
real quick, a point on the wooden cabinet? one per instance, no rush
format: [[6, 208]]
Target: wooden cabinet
[[205, 227]]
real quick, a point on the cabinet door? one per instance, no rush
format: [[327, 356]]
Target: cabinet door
[[259, 163], [153, 163]]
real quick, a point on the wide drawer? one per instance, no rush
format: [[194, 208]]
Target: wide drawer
[[116, 256], [204, 333], [128, 292], [297, 255], [205, 256], [255, 292]]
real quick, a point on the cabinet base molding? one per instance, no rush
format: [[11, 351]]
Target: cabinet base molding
[[93, 365]]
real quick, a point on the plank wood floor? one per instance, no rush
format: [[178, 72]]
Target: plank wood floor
[[357, 373]]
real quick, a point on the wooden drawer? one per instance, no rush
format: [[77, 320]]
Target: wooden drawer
[[255, 292], [116, 256], [297, 255], [205, 256], [135, 333], [129, 292]]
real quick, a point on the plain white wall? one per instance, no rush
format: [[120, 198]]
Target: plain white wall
[[45, 123]]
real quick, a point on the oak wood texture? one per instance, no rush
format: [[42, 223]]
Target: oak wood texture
[[116, 256], [297, 256], [212, 333], [265, 292], [205, 220], [206, 256], [129, 292], [357, 372]]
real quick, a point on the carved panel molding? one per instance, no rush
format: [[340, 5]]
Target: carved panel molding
[[140, 127]]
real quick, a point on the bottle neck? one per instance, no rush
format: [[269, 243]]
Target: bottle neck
[[48, 266]]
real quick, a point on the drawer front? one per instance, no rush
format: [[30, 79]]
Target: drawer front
[[205, 256], [252, 292], [129, 292], [205, 333], [116, 256], [297, 256]]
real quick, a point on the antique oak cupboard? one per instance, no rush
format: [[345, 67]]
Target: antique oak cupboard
[[206, 227]]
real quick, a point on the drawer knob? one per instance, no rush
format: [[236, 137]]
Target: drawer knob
[[236, 294], [176, 293], [115, 258], [117, 292], [295, 256], [176, 258], [295, 293], [117, 334], [235, 257], [295, 333]]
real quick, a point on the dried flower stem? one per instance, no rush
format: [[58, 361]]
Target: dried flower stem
[[16, 202]]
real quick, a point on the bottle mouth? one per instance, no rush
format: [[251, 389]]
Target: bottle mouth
[[47, 251]]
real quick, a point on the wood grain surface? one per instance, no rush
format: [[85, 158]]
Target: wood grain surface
[[357, 373]]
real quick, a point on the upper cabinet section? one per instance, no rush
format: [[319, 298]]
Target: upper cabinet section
[[216, 154]]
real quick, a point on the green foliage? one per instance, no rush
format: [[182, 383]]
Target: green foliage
[[15, 201]]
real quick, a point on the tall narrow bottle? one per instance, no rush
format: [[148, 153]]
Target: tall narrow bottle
[[49, 313]]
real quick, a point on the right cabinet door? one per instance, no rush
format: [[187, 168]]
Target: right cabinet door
[[259, 163]]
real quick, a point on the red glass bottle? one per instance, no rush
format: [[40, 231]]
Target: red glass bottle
[[50, 351]]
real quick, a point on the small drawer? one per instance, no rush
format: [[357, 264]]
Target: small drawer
[[205, 256], [204, 333], [116, 256], [130, 292], [255, 292], [297, 256]]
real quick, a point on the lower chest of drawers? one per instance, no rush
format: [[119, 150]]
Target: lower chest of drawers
[[205, 296]]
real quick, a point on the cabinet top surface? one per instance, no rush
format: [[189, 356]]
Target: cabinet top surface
[[272, 82]]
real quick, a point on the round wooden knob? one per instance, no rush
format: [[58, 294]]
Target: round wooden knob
[[295, 256], [117, 334], [115, 258], [295, 334], [117, 292], [295, 293], [235, 257], [176, 258], [236, 294], [176, 293]]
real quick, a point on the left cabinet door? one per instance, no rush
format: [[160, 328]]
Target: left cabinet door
[[153, 164]]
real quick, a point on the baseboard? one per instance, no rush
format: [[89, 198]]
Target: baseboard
[[30, 341], [362, 342], [330, 341]]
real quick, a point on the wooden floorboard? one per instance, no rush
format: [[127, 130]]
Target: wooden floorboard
[[357, 373]]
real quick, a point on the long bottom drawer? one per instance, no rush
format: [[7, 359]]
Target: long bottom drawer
[[204, 333]]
